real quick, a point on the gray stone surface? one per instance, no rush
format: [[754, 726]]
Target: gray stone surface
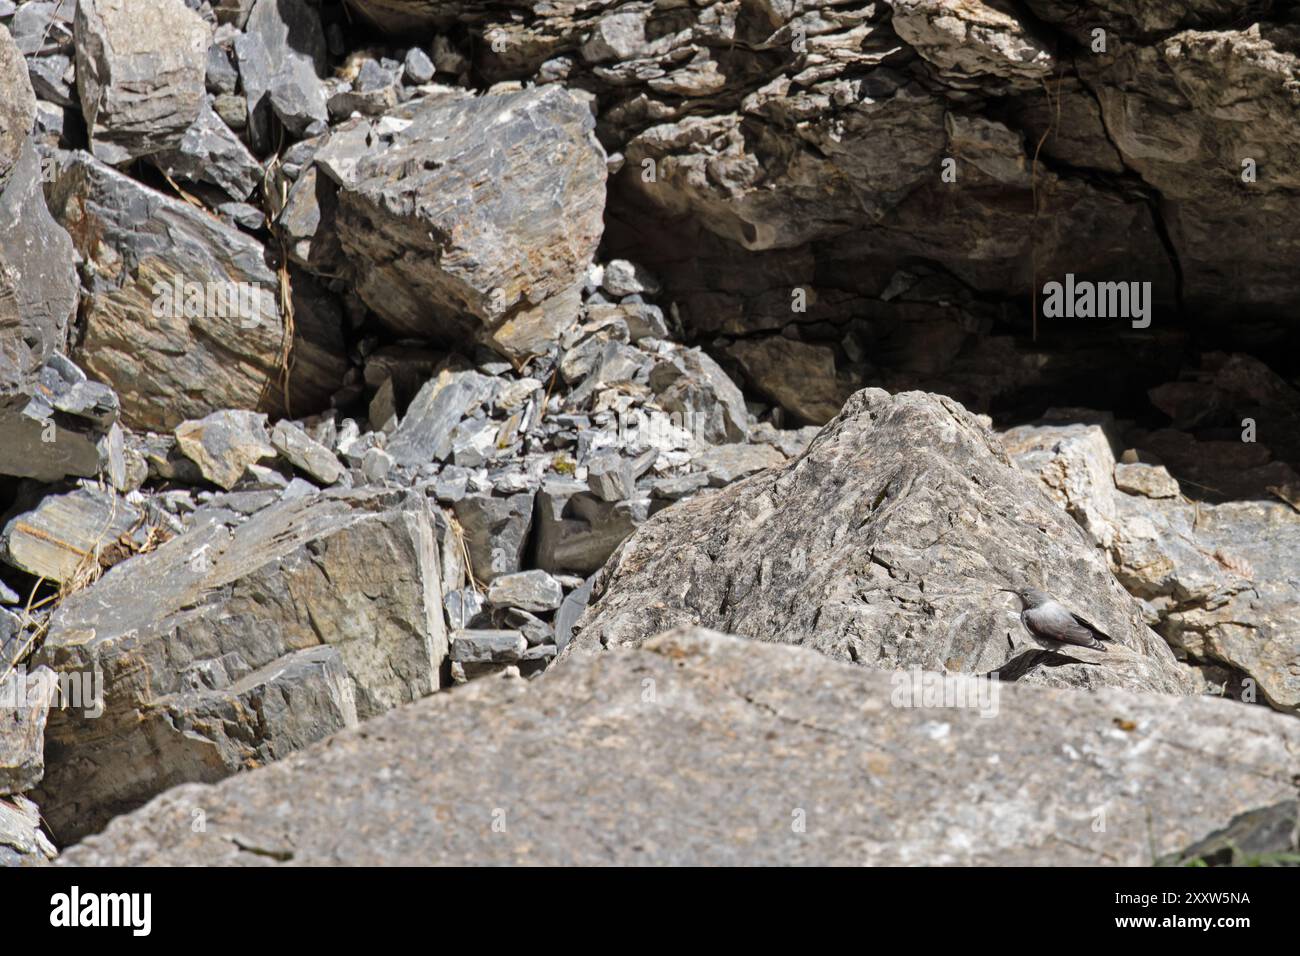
[[234, 643], [24, 705], [59, 427], [306, 454], [698, 749], [495, 532], [70, 535], [495, 203], [487, 646], [194, 356], [210, 152], [884, 544], [140, 74], [224, 444], [282, 56], [526, 590]]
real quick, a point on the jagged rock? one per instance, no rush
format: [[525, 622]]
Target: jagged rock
[[798, 376], [21, 839], [304, 453], [1153, 481], [182, 316], [69, 534], [224, 444], [60, 428], [24, 705], [38, 283], [768, 734], [209, 152], [711, 405], [425, 432], [140, 74], [495, 532], [969, 39], [234, 643], [526, 590], [18, 111], [282, 55], [495, 203], [727, 463], [1219, 579], [883, 544], [577, 531]]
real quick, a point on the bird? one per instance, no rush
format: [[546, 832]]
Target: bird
[[1053, 625]]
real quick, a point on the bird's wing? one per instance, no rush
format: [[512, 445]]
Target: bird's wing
[[1101, 635], [1058, 624]]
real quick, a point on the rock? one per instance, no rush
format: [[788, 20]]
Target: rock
[[576, 530], [758, 727], [224, 444], [971, 39], [303, 453], [61, 428], [209, 152], [496, 202], [610, 476], [282, 55], [21, 839], [24, 704], [1153, 481], [70, 536], [622, 278], [727, 463], [526, 590], [495, 532], [464, 608], [182, 316], [38, 281], [234, 643], [883, 544], [1218, 579], [425, 432], [570, 611], [487, 647], [141, 72], [798, 376], [693, 385], [18, 112], [417, 67], [1266, 836]]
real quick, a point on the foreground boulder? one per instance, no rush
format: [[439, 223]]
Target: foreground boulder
[[884, 544], [700, 749], [234, 644]]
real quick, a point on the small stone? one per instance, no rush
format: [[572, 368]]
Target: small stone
[[487, 646], [305, 454], [376, 464], [1152, 481], [624, 278], [224, 444], [418, 67], [527, 590]]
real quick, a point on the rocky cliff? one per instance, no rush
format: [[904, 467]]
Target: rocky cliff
[[444, 368]]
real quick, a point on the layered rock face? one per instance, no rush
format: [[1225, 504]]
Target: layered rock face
[[791, 759], [918, 167], [884, 544]]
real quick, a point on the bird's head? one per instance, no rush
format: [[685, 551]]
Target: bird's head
[[1029, 597]]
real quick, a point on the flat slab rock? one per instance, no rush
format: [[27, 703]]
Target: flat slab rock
[[703, 749], [884, 544], [234, 644]]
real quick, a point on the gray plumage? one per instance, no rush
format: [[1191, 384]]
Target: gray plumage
[[1053, 625]]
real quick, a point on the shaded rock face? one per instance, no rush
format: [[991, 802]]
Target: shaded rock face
[[183, 314], [767, 147], [234, 644], [883, 544], [767, 735], [477, 215]]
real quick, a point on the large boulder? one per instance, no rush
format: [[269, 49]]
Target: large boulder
[[183, 315], [884, 544], [476, 216], [233, 644], [140, 74], [700, 749]]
